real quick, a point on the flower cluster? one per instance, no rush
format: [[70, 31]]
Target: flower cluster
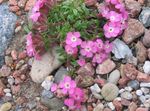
[[96, 50], [69, 88], [116, 14]]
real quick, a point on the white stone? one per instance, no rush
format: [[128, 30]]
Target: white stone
[[139, 92], [121, 91], [146, 67], [95, 88], [142, 99], [7, 90], [145, 90], [143, 84], [126, 95], [42, 68], [46, 84], [111, 106], [8, 94], [11, 80], [120, 49], [128, 88], [114, 77], [147, 96]]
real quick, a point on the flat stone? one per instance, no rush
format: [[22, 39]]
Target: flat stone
[[146, 38], [143, 84], [126, 95], [144, 17], [134, 30], [7, 27], [95, 88], [106, 67], [110, 91], [132, 106], [120, 49], [114, 77], [146, 67]]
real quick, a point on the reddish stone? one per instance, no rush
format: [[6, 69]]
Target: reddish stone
[[89, 108], [14, 8], [142, 109], [117, 105], [29, 5], [16, 74], [18, 80], [125, 102], [12, 2], [14, 54], [15, 89], [143, 77], [22, 55], [132, 107], [123, 81], [100, 81], [23, 77], [148, 51], [90, 2], [130, 71]]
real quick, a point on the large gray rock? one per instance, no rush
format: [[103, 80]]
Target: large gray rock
[[42, 68], [7, 25]]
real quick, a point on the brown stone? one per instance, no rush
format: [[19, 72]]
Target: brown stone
[[143, 77], [134, 30], [146, 38], [14, 8], [148, 51], [125, 102], [123, 81], [12, 2], [133, 7], [141, 52], [130, 71], [117, 105], [142, 109], [87, 69], [132, 107], [29, 5], [22, 3]]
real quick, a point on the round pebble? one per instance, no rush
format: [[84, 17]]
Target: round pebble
[[114, 77], [145, 84], [121, 91], [111, 106], [126, 95], [128, 88], [110, 91], [95, 88], [11, 80], [8, 94], [139, 92], [7, 90], [134, 84], [5, 107], [142, 99]]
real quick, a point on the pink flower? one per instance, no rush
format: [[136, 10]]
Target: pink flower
[[78, 95], [67, 85], [112, 1], [81, 62], [99, 58], [108, 47], [35, 16], [114, 16], [99, 44], [111, 30], [105, 11], [70, 103], [120, 6], [54, 87], [39, 4], [71, 50], [88, 48], [73, 39]]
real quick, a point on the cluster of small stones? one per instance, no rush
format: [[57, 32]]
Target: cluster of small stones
[[115, 85]]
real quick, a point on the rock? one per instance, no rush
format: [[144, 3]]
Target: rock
[[134, 30], [146, 67], [143, 77], [142, 84], [87, 69], [125, 102], [130, 71], [46, 84], [139, 92], [5, 71], [22, 3], [90, 2], [111, 106], [106, 67], [145, 90], [142, 109], [14, 54], [142, 98], [97, 96], [8, 60], [47, 94], [134, 84], [53, 104], [129, 89], [11, 80], [18, 29], [120, 49], [60, 74], [19, 64], [144, 17], [148, 51], [147, 103], [99, 107], [5, 107], [146, 38], [29, 4], [42, 68], [123, 81], [7, 90], [14, 8], [114, 77], [22, 55], [126, 95], [7, 24], [8, 95], [109, 91], [132, 60], [133, 7], [141, 52], [117, 105], [95, 88], [142, 2], [86, 81], [2, 86], [132, 107]]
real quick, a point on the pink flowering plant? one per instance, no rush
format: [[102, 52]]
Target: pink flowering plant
[[74, 96]]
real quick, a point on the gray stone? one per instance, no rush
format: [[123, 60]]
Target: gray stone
[[53, 104], [134, 84], [47, 94], [60, 74], [144, 17], [120, 49], [146, 67], [126, 95], [95, 88], [114, 77], [7, 25]]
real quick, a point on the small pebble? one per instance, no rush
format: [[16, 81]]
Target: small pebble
[[121, 91], [7, 90], [147, 96], [8, 94], [139, 92], [142, 98], [11, 80], [126, 95], [145, 90], [6, 106], [134, 84], [145, 84], [111, 106], [18, 29], [95, 88], [97, 96], [128, 88]]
